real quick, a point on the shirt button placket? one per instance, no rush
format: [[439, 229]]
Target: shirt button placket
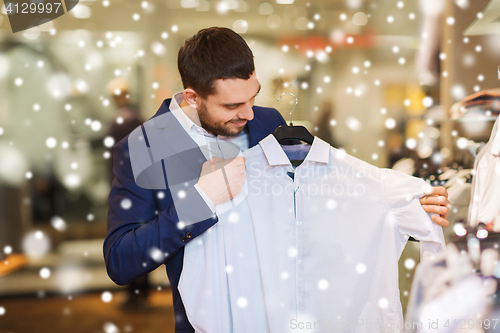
[[299, 237]]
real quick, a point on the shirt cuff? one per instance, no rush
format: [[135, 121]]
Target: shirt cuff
[[205, 197]]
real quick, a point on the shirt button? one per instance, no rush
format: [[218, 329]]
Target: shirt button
[[189, 235], [299, 222], [183, 239], [300, 300], [299, 261]]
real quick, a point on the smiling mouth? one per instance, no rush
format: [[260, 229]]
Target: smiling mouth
[[239, 123]]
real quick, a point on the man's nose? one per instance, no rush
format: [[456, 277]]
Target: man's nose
[[246, 112]]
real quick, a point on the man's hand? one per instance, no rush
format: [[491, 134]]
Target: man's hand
[[436, 201], [222, 179]]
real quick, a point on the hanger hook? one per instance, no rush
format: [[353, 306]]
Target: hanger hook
[[296, 102]]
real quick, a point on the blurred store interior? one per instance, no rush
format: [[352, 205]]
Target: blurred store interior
[[385, 80]]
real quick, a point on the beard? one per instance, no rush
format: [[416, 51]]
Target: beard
[[209, 124]]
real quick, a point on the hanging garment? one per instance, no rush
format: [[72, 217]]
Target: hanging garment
[[313, 247], [485, 102], [446, 293], [485, 196]]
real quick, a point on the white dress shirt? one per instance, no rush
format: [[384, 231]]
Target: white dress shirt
[[209, 144], [485, 194], [310, 249]]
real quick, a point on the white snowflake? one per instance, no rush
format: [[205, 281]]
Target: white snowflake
[[126, 203], [45, 273], [409, 263], [242, 302], [462, 143], [459, 229], [360, 268], [411, 143], [323, 284], [331, 204], [110, 328], [109, 141], [106, 297], [156, 254], [58, 223], [36, 244], [353, 124], [234, 217], [7, 249], [158, 48], [390, 123], [383, 303]]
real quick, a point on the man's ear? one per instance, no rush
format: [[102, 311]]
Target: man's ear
[[191, 97]]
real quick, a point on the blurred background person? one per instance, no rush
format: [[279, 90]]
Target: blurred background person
[[127, 118], [128, 115]]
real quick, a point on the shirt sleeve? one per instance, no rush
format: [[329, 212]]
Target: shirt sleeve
[[402, 193], [205, 197]]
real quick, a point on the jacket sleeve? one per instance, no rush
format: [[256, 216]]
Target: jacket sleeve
[[139, 237]]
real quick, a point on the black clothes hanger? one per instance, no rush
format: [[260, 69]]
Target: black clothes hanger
[[291, 132]]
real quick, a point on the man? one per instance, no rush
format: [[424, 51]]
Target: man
[[171, 172]]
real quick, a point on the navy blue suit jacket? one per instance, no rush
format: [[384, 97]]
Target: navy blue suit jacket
[[142, 223]]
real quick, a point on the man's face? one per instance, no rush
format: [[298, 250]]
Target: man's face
[[228, 110]]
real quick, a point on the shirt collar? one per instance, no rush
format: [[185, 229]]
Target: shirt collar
[[183, 119], [319, 152]]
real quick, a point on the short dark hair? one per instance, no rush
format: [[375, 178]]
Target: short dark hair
[[214, 53]]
